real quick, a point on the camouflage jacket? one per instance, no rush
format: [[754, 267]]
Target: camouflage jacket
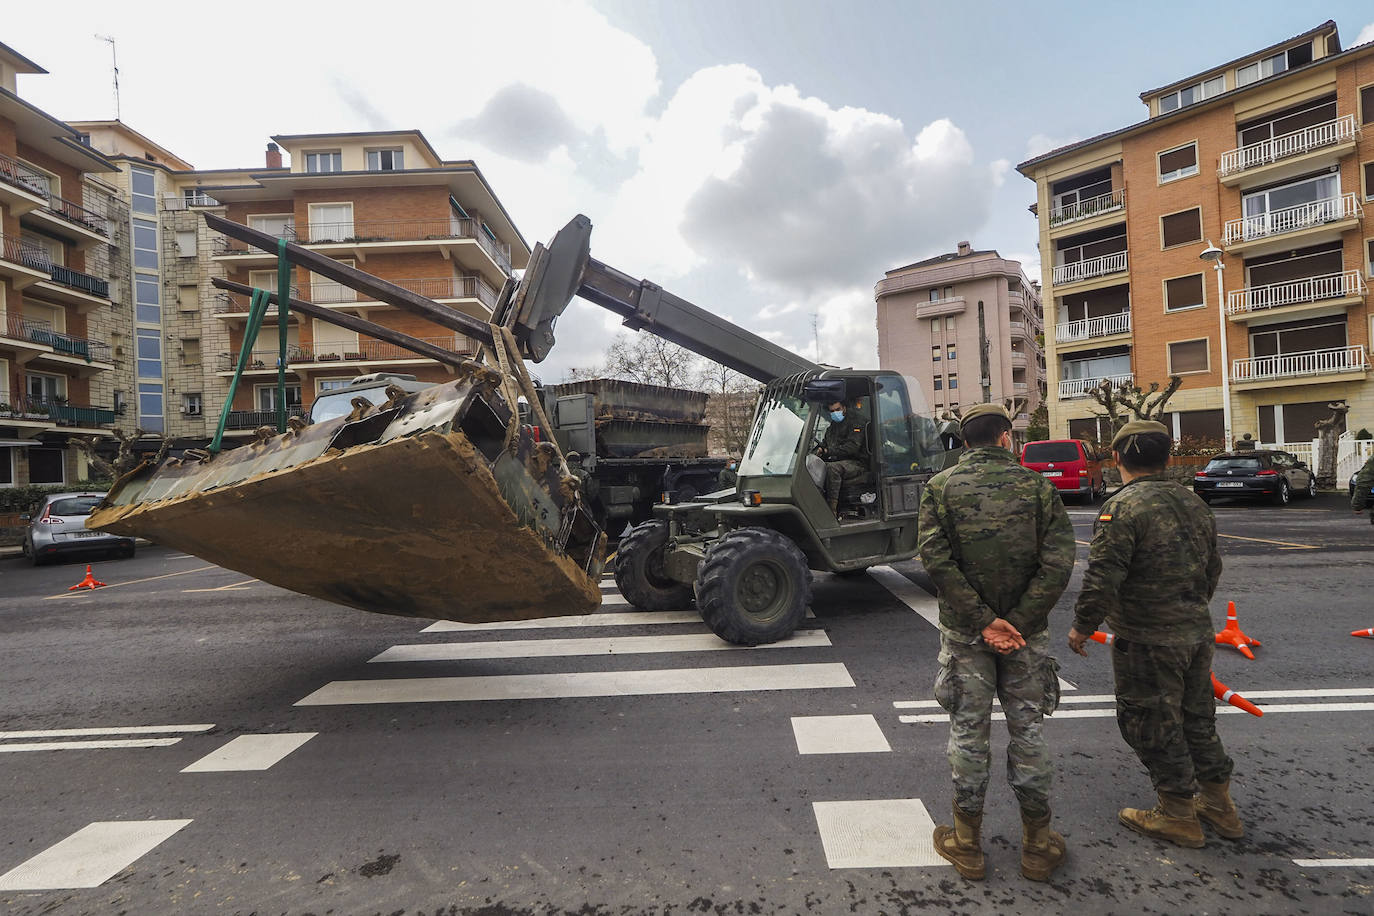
[[845, 439], [997, 541], [1153, 565], [1363, 482]]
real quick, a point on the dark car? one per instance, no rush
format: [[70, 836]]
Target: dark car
[[1072, 465], [57, 527], [1256, 474]]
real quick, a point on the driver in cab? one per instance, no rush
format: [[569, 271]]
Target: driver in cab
[[842, 450]]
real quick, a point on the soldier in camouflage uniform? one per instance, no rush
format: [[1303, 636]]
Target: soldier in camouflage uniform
[[1363, 482], [996, 539], [1152, 569]]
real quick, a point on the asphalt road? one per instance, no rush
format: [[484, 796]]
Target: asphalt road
[[494, 772]]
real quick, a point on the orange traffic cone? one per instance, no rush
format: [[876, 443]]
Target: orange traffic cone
[[1231, 634], [1367, 634], [1222, 692], [1105, 638], [89, 582]]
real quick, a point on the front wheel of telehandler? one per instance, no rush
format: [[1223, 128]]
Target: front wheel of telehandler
[[753, 587], [639, 570]]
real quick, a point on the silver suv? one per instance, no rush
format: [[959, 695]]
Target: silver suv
[[57, 527]]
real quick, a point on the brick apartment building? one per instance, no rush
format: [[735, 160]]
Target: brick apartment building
[[58, 248], [930, 318], [1271, 158]]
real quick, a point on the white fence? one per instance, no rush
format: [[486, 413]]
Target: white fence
[[1351, 454]]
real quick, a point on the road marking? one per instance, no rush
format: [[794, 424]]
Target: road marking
[[1289, 544], [231, 587], [184, 572], [89, 857], [126, 730], [616, 619], [609, 598], [909, 593], [839, 735], [599, 645], [250, 752], [1248, 694], [882, 833], [581, 684], [183, 556], [1221, 710], [1334, 863], [87, 745]]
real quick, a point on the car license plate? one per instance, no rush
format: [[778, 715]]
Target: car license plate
[[1053, 473], [86, 534], [1231, 483]]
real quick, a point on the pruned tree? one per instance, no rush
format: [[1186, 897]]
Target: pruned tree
[[651, 360], [1121, 403], [126, 459], [1328, 439]]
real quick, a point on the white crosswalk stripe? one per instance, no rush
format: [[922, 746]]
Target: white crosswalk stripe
[[89, 857]]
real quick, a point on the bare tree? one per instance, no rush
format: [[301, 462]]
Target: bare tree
[[651, 360], [730, 408], [1121, 403], [1328, 436]]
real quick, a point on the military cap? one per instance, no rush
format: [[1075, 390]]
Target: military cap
[[574, 456], [984, 410], [1123, 440]]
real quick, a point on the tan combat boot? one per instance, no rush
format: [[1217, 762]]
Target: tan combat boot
[[962, 844], [1215, 807], [1042, 849], [1174, 819]]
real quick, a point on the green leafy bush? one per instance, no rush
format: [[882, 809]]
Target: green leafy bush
[[22, 499]]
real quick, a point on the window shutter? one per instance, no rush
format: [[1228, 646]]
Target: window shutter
[[1176, 160], [1188, 356], [1182, 227], [1182, 292]]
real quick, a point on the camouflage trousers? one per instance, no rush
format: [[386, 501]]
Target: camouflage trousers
[[1167, 713], [1027, 683], [836, 473]]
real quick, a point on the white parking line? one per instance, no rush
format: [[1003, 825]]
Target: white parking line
[[89, 857], [839, 735], [1221, 710], [1288, 694], [125, 730], [600, 645], [609, 619], [581, 684], [86, 745], [881, 833], [1334, 863], [250, 752]]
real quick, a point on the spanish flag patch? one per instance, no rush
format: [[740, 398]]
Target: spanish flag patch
[[1104, 518]]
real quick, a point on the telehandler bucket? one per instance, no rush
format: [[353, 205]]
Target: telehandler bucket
[[435, 504]]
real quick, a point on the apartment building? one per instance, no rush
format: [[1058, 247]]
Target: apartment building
[[58, 323], [383, 201], [935, 315], [1269, 158]]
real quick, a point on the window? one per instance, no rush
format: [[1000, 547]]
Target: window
[[935, 353], [384, 160], [1367, 105], [935, 294], [149, 354], [194, 197], [939, 383], [1299, 336], [953, 381], [266, 396], [1369, 257], [41, 250], [1369, 181], [949, 293], [331, 222], [147, 310], [7, 466], [934, 326], [150, 406], [120, 403], [331, 384], [190, 351], [145, 244], [144, 190], [186, 243], [1179, 162], [1181, 228], [1288, 121], [47, 465], [282, 225], [1291, 422], [1188, 356], [324, 161], [1190, 95], [1284, 60], [949, 352], [45, 388], [1183, 293], [191, 404], [188, 298], [1307, 201], [949, 323]]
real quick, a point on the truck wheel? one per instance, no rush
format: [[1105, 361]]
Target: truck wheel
[[753, 587], [639, 570]]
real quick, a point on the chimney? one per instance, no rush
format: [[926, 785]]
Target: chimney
[[965, 249], [273, 156]]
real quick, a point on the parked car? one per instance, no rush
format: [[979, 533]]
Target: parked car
[[1255, 474], [57, 527], [1072, 465]]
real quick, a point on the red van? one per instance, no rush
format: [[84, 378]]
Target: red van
[[1072, 465]]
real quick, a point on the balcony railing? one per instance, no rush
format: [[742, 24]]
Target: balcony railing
[[1085, 209], [232, 303], [326, 292], [14, 172], [75, 213], [363, 350], [1100, 266], [397, 230], [1296, 365], [1088, 328], [225, 245], [252, 419], [17, 252], [1079, 387], [932, 308], [17, 327], [75, 279], [1330, 133], [1295, 292], [55, 410], [183, 202], [1292, 219]]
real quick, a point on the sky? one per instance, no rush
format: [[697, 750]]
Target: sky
[[767, 160]]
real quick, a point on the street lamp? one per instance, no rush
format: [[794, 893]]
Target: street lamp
[[1213, 253]]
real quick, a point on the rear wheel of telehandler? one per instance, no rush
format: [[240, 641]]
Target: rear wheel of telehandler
[[753, 587], [639, 570]]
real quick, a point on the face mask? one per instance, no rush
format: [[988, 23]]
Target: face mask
[[837, 416]]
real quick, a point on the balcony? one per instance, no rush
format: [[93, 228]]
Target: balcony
[[937, 307], [1092, 328], [1081, 210], [1078, 387], [82, 227], [58, 411], [72, 287], [21, 188], [407, 235], [1315, 221], [53, 345], [1266, 370], [252, 419], [185, 202], [1090, 268], [1342, 289], [329, 355], [437, 288], [1257, 161], [1018, 359], [23, 264]]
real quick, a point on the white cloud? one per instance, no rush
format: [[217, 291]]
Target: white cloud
[[1366, 35]]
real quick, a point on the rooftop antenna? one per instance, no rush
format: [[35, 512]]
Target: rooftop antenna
[[114, 66], [816, 333]]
